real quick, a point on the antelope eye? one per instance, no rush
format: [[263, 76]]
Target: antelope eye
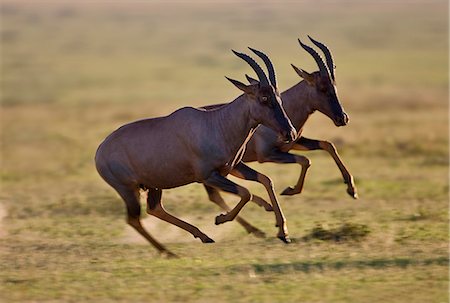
[[264, 98]]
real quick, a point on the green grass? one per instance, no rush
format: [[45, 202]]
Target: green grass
[[72, 73]]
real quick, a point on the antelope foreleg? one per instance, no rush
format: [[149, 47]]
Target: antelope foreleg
[[220, 182], [283, 157], [215, 197], [245, 172], [312, 144]]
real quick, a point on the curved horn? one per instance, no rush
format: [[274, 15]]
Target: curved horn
[[328, 56], [269, 65], [322, 68], [259, 71]]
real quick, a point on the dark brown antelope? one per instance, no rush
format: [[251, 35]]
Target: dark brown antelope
[[316, 93], [194, 145]]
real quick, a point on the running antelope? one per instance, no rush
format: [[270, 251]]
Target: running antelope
[[316, 93], [194, 145]]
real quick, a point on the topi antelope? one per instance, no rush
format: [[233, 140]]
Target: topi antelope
[[316, 92], [194, 145]]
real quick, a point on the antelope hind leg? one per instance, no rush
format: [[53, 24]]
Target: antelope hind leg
[[156, 208], [131, 198]]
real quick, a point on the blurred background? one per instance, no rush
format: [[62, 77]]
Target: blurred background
[[72, 72]]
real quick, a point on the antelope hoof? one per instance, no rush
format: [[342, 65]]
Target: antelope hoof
[[268, 207], [263, 203], [352, 192], [208, 240], [351, 188], [221, 219], [290, 191], [285, 239]]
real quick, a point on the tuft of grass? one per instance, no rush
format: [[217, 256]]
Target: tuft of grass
[[345, 232]]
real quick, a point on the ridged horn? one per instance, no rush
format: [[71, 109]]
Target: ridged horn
[[328, 56], [269, 65], [258, 70], [322, 68]]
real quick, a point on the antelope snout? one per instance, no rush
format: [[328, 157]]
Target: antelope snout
[[289, 136], [342, 120]]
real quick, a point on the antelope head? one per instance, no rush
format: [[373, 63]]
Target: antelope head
[[264, 98], [322, 84]]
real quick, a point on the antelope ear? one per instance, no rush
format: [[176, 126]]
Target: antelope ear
[[245, 88], [304, 74], [251, 80]]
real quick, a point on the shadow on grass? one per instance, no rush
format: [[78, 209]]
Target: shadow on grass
[[309, 266]]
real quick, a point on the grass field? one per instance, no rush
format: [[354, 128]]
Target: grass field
[[72, 73]]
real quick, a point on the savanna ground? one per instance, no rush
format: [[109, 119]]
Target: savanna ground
[[72, 73]]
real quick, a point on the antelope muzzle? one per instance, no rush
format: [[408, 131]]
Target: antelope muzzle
[[289, 135], [341, 120]]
